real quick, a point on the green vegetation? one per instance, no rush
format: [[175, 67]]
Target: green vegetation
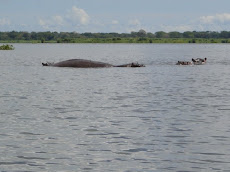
[[133, 37], [6, 47]]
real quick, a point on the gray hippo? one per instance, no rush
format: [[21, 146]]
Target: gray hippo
[[197, 61], [184, 63], [82, 63]]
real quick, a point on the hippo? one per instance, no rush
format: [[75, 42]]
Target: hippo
[[197, 61], [184, 63], [82, 63]]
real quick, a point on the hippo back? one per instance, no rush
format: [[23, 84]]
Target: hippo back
[[81, 63]]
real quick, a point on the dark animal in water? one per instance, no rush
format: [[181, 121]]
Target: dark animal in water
[[81, 63], [184, 63], [197, 61]]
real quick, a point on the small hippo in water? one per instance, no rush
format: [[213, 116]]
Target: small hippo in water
[[197, 61], [184, 63], [81, 63]]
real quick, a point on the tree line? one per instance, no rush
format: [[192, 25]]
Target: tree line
[[67, 36]]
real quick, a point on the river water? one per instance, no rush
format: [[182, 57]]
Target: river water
[[162, 117]]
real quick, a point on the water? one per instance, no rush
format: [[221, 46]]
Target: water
[[162, 117]]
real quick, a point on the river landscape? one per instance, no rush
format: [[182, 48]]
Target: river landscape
[[162, 117]]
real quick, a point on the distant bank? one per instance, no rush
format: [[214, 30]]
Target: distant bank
[[134, 37], [122, 40]]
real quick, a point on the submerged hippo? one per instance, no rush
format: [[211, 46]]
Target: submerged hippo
[[197, 61], [81, 63], [184, 63]]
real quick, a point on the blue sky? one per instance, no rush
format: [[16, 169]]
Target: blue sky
[[122, 16]]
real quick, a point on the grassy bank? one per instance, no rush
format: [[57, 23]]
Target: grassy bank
[[143, 40], [123, 40]]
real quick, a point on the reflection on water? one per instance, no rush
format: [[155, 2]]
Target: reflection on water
[[159, 118]]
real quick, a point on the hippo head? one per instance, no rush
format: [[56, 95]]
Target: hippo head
[[47, 64], [137, 65]]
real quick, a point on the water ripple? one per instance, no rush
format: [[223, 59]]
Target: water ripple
[[33, 158], [159, 118]]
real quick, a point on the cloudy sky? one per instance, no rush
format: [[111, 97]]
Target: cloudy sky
[[122, 16]]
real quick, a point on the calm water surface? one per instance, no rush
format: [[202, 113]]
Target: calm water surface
[[159, 118]]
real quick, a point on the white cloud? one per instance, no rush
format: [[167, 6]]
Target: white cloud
[[207, 19], [58, 19], [217, 22], [47, 24], [74, 17], [135, 22], [4, 22], [218, 18], [42, 22], [78, 15], [115, 22], [178, 28]]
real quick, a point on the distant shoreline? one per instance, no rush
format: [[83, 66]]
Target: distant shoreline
[[125, 40], [134, 37]]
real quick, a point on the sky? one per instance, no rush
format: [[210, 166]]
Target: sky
[[121, 16]]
